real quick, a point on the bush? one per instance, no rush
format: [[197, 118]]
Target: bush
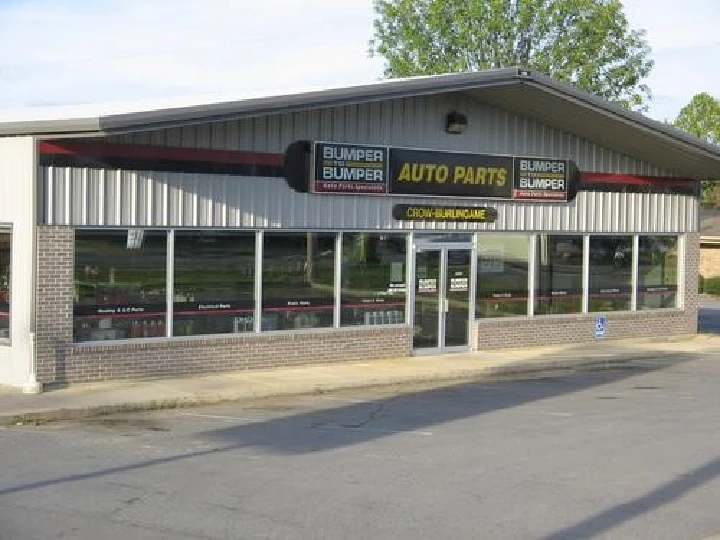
[[712, 285]]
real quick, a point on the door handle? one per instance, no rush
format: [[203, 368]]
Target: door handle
[[446, 305]]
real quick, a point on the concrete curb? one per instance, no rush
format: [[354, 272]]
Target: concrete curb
[[517, 370]]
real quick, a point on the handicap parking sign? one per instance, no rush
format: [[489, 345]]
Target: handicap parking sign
[[600, 326]]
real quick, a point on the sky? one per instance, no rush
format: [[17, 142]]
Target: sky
[[157, 52]]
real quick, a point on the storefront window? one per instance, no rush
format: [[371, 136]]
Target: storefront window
[[373, 279], [120, 281], [610, 273], [5, 241], [298, 280], [559, 274], [213, 283], [502, 275], [657, 272]]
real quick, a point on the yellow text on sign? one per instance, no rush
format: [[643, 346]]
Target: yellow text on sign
[[439, 174], [491, 176]]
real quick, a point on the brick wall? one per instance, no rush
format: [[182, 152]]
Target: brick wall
[[567, 329], [60, 361], [187, 356], [56, 246], [580, 328]]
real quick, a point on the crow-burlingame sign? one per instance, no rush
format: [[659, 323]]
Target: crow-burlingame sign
[[342, 168], [422, 212]]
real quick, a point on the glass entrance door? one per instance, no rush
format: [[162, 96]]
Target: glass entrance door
[[427, 299], [442, 298], [457, 297]]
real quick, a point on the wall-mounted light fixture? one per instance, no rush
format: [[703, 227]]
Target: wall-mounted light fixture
[[455, 123]]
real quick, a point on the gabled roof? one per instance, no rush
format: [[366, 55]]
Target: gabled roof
[[520, 91]]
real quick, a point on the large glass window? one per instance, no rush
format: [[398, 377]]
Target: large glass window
[[214, 282], [120, 281], [610, 273], [657, 272], [5, 248], [502, 275], [559, 274], [373, 279], [298, 280]]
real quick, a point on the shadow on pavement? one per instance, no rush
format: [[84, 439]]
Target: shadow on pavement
[[415, 412], [356, 423], [607, 519]]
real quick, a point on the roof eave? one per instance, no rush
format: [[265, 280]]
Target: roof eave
[[78, 126], [627, 116]]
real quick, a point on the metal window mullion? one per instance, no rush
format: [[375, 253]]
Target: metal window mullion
[[532, 274], [680, 272], [586, 274], [338, 279], [257, 322], [472, 291], [409, 279], [472, 278], [170, 282], [635, 272], [442, 296]]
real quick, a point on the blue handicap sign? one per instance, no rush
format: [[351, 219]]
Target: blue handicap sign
[[600, 326]]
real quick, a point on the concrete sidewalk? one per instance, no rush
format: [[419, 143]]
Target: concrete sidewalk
[[117, 396]]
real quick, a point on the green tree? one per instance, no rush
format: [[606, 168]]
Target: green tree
[[701, 117], [588, 43]]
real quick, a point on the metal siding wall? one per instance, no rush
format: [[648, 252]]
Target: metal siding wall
[[151, 199], [129, 198], [17, 210]]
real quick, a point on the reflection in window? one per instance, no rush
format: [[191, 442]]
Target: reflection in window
[[298, 280], [610, 273], [214, 282], [120, 281], [502, 275], [373, 279], [559, 274], [5, 241], [657, 272]]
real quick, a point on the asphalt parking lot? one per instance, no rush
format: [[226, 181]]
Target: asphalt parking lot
[[631, 453]]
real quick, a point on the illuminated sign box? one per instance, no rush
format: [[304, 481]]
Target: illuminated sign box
[[342, 168], [349, 168]]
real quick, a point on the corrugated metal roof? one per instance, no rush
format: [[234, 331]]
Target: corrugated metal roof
[[521, 91]]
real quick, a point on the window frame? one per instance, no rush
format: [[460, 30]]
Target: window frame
[[8, 229], [530, 280], [259, 235]]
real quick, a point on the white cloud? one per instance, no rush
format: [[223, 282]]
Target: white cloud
[[89, 51], [685, 47], [105, 50], [671, 23]]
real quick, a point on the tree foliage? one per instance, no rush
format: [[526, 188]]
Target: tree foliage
[[701, 117], [588, 43]]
